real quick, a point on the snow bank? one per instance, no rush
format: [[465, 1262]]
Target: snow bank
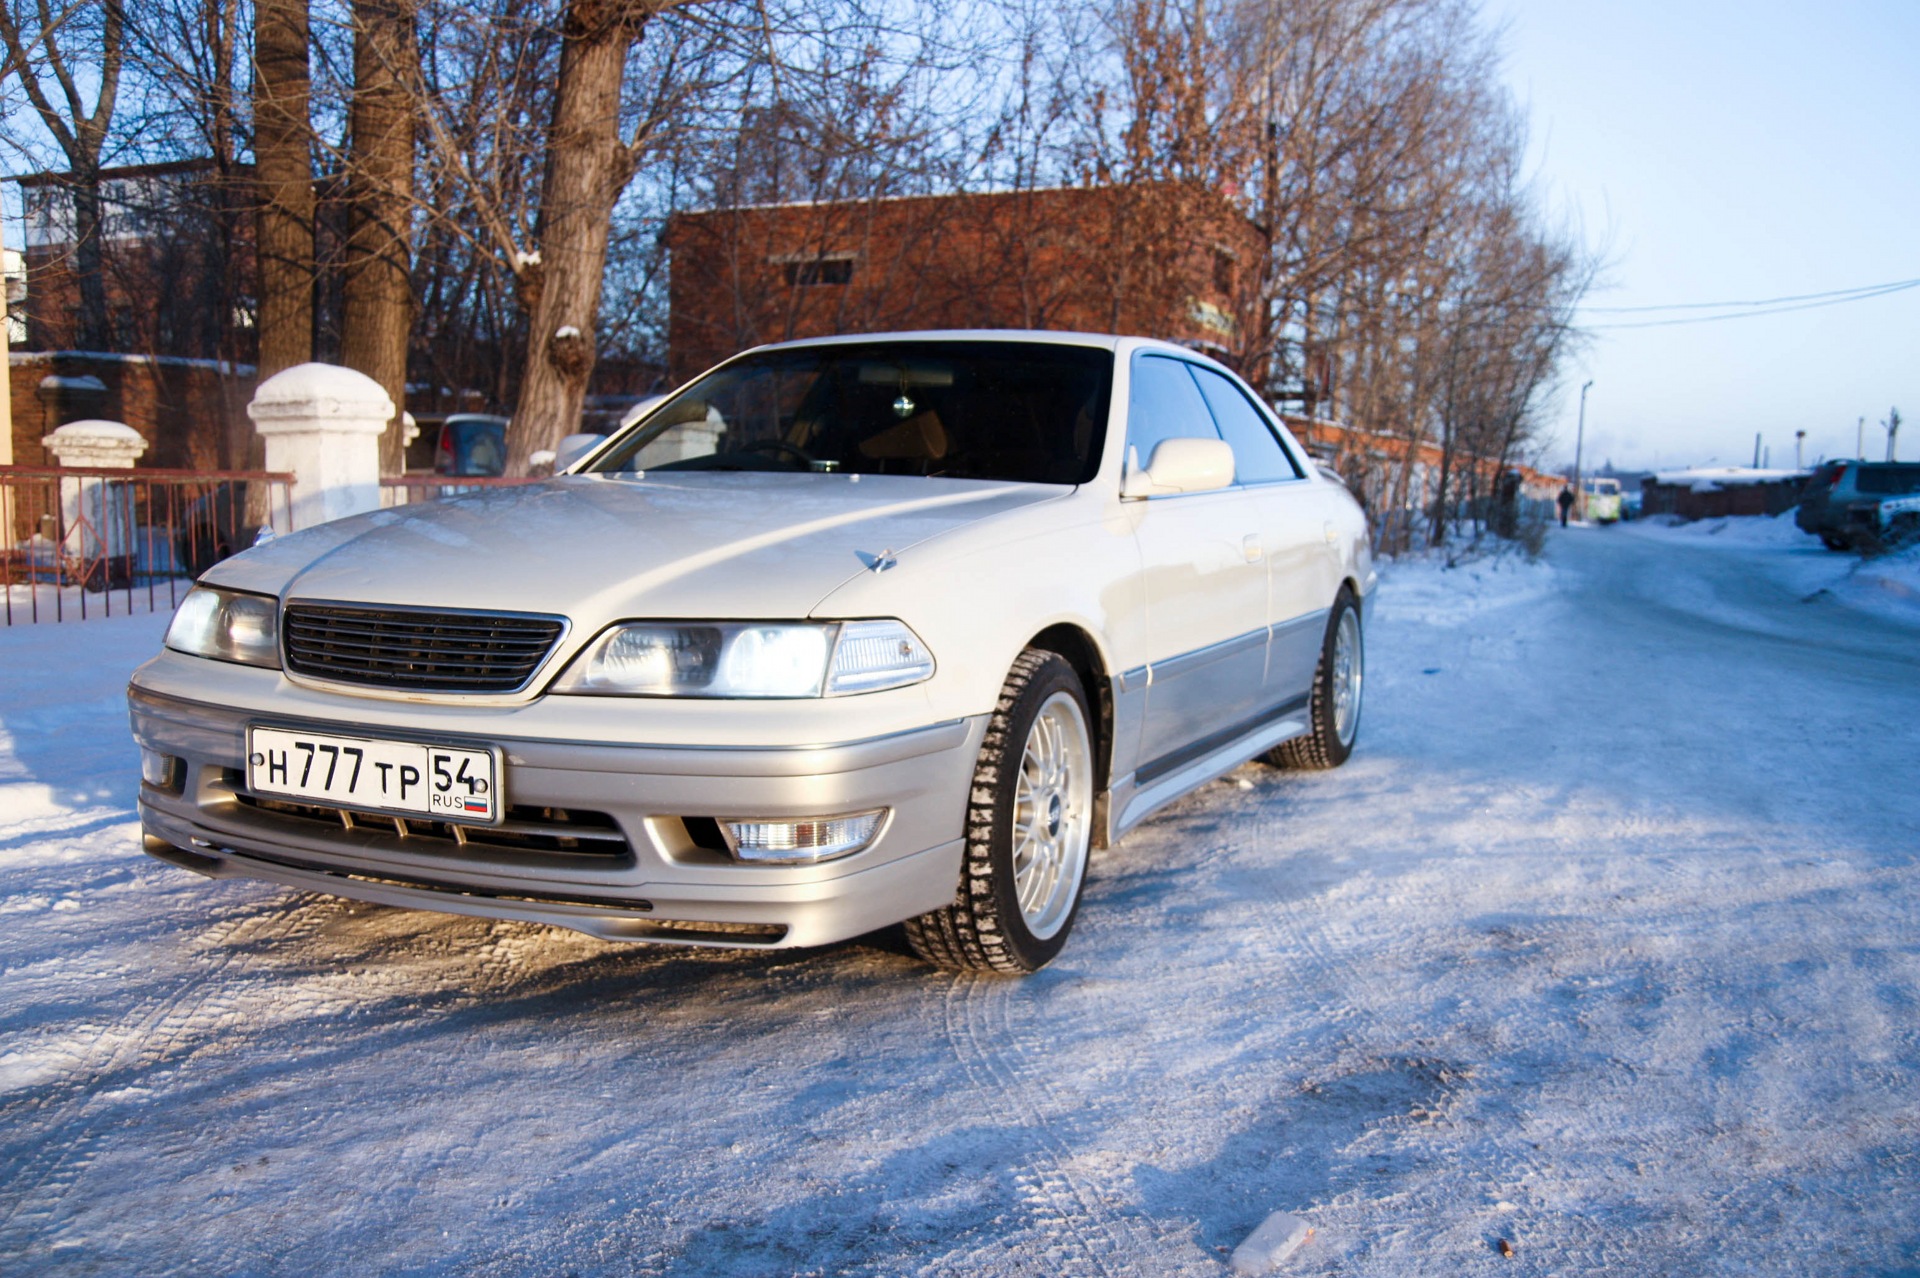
[[1890, 585], [1425, 590], [1735, 530]]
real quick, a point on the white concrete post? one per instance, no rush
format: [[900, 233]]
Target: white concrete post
[[685, 440], [323, 424], [95, 514]]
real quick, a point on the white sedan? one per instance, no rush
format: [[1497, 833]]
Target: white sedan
[[845, 633]]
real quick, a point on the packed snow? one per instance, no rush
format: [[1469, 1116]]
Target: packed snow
[[1887, 584], [1599, 957]]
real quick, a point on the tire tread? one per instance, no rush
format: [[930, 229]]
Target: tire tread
[[968, 935], [1316, 750]]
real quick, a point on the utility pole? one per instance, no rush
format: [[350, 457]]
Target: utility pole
[[1860, 440], [1799, 439], [1756, 450], [1579, 442]]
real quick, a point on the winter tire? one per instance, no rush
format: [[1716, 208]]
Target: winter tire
[[1337, 685], [1029, 828], [1832, 542]]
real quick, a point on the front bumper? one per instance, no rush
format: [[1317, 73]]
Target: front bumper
[[639, 870]]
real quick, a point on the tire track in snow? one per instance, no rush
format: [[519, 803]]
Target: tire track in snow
[[1334, 949], [1078, 1231], [73, 1113]]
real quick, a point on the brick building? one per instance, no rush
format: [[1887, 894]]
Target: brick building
[[1155, 261], [176, 259]]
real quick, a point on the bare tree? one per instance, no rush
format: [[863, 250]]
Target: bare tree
[[51, 52], [377, 291], [283, 171]]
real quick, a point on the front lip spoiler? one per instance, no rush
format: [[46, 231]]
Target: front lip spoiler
[[204, 862]]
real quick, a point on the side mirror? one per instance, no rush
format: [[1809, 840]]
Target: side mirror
[[573, 448], [1181, 466]]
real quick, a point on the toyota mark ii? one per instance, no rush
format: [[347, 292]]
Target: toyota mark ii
[[845, 633]]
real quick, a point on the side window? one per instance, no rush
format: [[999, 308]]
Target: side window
[[1164, 404], [1258, 457]]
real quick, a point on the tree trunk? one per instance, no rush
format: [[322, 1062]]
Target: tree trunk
[[95, 334], [588, 166], [377, 303], [283, 168]]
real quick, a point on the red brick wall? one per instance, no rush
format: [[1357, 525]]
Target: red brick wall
[[191, 414], [1151, 263]]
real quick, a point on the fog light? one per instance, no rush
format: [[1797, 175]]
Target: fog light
[[161, 771], [802, 841]]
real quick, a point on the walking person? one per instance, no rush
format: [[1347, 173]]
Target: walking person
[[1566, 504]]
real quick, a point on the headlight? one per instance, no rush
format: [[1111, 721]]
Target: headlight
[[227, 626], [748, 659]]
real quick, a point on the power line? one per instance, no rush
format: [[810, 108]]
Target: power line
[[1831, 300], [1840, 294]]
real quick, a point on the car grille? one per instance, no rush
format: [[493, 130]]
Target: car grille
[[417, 651]]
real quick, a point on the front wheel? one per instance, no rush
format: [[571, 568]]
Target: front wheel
[[1335, 722], [1029, 827]]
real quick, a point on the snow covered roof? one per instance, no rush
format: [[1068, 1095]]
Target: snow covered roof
[[1705, 479]]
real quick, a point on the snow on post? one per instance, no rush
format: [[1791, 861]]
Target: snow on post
[[93, 513], [323, 424]]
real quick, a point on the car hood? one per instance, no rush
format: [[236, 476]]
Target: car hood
[[599, 548]]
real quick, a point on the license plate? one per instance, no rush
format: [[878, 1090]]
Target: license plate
[[445, 783]]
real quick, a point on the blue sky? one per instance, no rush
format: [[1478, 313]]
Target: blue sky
[[1732, 151]]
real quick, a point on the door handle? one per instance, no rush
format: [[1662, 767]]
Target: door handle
[[1250, 547]]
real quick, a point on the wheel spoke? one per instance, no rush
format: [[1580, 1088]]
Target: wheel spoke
[[1051, 815]]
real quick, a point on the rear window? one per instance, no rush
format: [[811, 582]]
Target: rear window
[[1888, 480]]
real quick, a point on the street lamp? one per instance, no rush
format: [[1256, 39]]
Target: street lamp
[[1579, 442]]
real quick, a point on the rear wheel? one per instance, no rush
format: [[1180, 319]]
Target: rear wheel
[[1335, 723], [1832, 542], [1029, 827]]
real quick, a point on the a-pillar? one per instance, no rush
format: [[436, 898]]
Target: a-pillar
[[323, 424]]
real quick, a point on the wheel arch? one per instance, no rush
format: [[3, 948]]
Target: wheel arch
[[1079, 649]]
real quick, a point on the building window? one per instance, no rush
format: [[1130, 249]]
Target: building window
[[827, 268], [1223, 272]]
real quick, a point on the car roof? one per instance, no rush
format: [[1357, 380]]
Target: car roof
[[1052, 337]]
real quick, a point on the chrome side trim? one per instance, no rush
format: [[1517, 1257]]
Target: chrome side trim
[[1188, 662], [1316, 620]]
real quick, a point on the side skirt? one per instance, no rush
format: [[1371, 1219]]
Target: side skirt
[[1152, 786]]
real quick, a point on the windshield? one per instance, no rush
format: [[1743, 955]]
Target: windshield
[[1025, 412]]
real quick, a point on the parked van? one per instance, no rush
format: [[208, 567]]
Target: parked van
[[1603, 500]]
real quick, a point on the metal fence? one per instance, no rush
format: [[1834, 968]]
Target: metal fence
[[406, 490], [81, 542]]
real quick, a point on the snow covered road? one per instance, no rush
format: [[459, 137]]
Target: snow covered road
[[1604, 944]]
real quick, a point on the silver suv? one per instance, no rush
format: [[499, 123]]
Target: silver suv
[[1866, 506]]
